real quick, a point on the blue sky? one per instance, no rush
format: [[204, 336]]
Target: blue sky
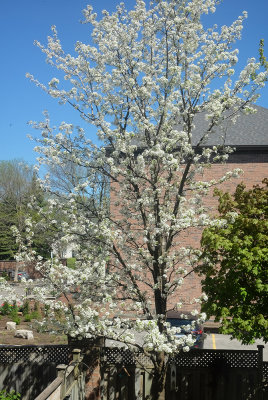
[[22, 22]]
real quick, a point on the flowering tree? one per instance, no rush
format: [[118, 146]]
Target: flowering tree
[[145, 79]]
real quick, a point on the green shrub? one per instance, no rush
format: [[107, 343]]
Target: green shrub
[[4, 395], [37, 306], [71, 262], [33, 315], [36, 315], [27, 318], [46, 309], [14, 314], [5, 276], [6, 308], [14, 308], [26, 308], [16, 319]]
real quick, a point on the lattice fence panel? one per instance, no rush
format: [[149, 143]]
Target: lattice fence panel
[[208, 358], [265, 371], [45, 354], [192, 359], [119, 356]]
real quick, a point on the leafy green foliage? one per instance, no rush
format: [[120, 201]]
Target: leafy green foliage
[[16, 319], [4, 395], [234, 264], [262, 59], [36, 315], [7, 219], [26, 307], [27, 317], [6, 308], [11, 310], [5, 275], [18, 183], [14, 314], [71, 262]]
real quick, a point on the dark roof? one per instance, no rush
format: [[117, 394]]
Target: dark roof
[[248, 133], [248, 130]]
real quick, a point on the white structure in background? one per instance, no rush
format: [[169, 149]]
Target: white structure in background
[[63, 252]]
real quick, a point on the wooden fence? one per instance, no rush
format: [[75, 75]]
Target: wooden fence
[[197, 375], [30, 369], [70, 382]]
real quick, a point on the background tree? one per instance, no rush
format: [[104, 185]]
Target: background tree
[[146, 76], [63, 180], [234, 264], [18, 183], [16, 186]]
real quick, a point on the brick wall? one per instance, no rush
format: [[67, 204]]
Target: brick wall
[[90, 350], [9, 266], [255, 167]]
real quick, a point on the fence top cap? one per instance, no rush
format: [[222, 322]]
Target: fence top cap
[[61, 366], [76, 351]]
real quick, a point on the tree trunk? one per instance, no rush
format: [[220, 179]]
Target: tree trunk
[[159, 378], [16, 272]]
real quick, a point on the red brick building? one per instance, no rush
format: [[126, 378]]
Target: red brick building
[[249, 137]]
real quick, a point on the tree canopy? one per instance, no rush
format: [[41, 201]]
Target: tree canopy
[[18, 184], [234, 264]]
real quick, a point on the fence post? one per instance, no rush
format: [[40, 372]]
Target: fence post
[[61, 371], [260, 371], [172, 389], [76, 356], [173, 377]]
